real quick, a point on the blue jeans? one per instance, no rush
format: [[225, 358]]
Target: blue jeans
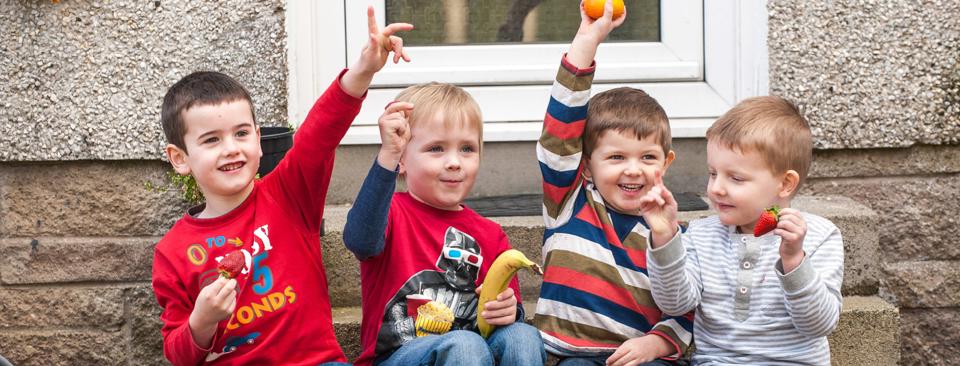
[[517, 344], [602, 360]]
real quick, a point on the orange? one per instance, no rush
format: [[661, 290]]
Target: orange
[[594, 8]]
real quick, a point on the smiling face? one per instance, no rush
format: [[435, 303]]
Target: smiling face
[[441, 161], [742, 185], [622, 168], [222, 150]]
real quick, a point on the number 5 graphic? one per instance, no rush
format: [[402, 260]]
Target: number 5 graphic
[[262, 276]]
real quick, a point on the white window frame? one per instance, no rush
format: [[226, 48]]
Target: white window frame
[[705, 63]]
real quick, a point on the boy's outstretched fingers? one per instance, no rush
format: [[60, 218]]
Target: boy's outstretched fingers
[[385, 39]]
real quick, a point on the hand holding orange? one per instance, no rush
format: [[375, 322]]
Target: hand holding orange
[[594, 8]]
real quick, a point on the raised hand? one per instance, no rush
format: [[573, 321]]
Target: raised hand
[[394, 134], [659, 210], [583, 48], [374, 55], [792, 229], [381, 43]]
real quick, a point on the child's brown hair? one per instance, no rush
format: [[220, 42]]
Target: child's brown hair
[[771, 126], [198, 89], [626, 109]]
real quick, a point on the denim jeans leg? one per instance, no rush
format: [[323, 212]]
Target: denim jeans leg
[[583, 361], [458, 347], [517, 344], [602, 360]]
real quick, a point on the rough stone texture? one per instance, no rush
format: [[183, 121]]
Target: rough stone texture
[[909, 229], [64, 347], [867, 333], [924, 159], [869, 73], [68, 307], [52, 260], [922, 284], [343, 269], [930, 336], [86, 199], [85, 79], [143, 317]]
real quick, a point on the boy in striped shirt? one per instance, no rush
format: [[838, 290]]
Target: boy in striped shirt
[[597, 162], [761, 298]]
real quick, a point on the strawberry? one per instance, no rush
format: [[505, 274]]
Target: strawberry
[[767, 221], [231, 265]]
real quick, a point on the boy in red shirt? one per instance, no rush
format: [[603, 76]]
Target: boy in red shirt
[[424, 244], [277, 311]]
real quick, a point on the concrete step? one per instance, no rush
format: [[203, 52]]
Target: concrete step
[[868, 333], [856, 222]]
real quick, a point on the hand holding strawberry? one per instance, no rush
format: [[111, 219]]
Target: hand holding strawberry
[[792, 229], [659, 210], [215, 302]]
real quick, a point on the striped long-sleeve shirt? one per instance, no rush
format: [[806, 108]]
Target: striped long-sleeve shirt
[[595, 292], [748, 310]]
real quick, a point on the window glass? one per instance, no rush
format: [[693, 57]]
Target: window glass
[[457, 22]]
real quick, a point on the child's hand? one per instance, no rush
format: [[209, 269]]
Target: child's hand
[[503, 310], [215, 302], [659, 210], [381, 43], [640, 350], [394, 134], [791, 228], [591, 33]]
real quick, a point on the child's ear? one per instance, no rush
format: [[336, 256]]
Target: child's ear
[[789, 183], [259, 146], [586, 169], [178, 158], [667, 161], [402, 169]]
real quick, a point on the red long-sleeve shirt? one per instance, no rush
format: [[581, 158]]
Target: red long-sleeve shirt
[[283, 308]]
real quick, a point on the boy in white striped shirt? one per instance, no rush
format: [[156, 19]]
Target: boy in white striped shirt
[[764, 300]]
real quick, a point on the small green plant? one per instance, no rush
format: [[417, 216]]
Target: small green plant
[[185, 184]]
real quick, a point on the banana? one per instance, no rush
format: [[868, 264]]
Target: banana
[[498, 278]]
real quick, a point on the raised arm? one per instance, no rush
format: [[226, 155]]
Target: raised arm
[[560, 148], [366, 224]]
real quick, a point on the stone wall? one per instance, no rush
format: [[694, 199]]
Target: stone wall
[[84, 79], [76, 251], [880, 83]]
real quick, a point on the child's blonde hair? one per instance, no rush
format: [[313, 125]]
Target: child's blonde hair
[[456, 105], [771, 126]]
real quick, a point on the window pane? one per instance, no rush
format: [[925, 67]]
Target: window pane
[[450, 22]]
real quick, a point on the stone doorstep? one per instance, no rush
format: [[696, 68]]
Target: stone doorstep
[[856, 222], [868, 333]]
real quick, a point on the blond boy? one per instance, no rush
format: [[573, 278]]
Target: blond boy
[[425, 245], [771, 299]]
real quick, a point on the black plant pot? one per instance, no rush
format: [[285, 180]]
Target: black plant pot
[[275, 141]]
